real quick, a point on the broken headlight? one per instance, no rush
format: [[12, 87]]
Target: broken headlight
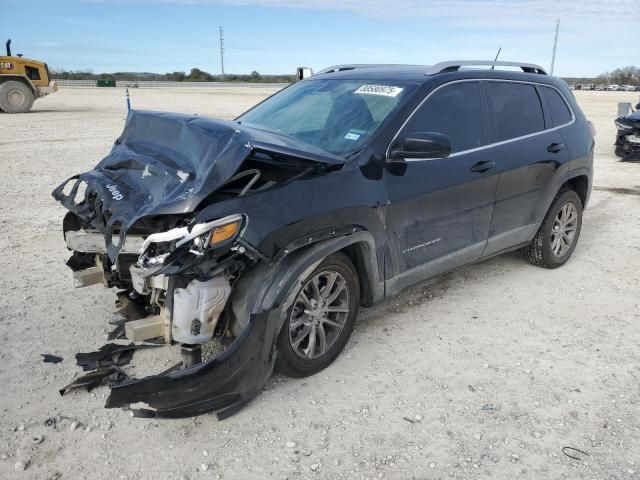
[[220, 234], [200, 237]]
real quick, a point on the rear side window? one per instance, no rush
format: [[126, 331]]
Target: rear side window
[[455, 111], [556, 106], [516, 109]]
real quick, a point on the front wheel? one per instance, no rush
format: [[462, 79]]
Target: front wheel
[[15, 97], [321, 318], [558, 235]]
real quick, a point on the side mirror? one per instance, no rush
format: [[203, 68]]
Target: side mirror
[[422, 145]]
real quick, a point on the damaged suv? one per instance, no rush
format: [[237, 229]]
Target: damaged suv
[[270, 231]]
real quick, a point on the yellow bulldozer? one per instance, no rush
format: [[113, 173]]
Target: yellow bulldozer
[[22, 81]]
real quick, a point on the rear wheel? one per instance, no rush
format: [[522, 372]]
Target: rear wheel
[[558, 235], [15, 97], [321, 319]]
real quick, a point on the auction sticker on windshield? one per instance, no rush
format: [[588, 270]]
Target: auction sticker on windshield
[[382, 90]]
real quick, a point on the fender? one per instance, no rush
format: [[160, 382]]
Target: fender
[[584, 172], [268, 287], [555, 187], [4, 77]]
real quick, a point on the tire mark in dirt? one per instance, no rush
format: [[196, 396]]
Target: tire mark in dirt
[[621, 190]]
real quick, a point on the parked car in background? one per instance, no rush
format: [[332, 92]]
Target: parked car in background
[[627, 145], [613, 88], [628, 88], [599, 88], [344, 188]]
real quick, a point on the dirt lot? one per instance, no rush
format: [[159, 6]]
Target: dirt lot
[[486, 372]]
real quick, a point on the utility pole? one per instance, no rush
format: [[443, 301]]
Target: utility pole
[[222, 53], [555, 44]]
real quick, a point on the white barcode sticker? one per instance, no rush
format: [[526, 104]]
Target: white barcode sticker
[[382, 90], [351, 135]]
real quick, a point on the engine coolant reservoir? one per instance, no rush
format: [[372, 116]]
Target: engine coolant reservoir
[[196, 309]]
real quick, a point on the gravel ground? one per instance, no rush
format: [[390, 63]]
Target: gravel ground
[[485, 372]]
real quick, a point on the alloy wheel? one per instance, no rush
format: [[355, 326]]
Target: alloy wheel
[[319, 314], [564, 228]]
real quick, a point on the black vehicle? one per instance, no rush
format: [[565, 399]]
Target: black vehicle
[[627, 144], [338, 191]]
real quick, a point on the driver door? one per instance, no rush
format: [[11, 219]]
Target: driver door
[[439, 210]]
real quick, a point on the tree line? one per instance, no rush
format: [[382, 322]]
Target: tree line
[[620, 76], [195, 75]]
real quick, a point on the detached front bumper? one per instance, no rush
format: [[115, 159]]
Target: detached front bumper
[[188, 312], [222, 385]]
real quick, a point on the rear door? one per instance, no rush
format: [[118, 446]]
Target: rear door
[[529, 151], [439, 210]]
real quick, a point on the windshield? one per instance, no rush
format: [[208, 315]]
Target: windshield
[[338, 116]]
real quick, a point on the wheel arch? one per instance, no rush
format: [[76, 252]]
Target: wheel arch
[[19, 78], [578, 179], [579, 184], [269, 286]]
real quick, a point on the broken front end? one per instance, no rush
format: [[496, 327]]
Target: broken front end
[[175, 287], [136, 224]]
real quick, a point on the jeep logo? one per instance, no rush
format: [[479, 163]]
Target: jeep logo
[[114, 192]]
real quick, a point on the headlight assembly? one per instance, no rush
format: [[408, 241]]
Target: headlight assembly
[[201, 237]]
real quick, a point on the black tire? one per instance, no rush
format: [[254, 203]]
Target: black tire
[[293, 364], [540, 251], [15, 97], [619, 151]]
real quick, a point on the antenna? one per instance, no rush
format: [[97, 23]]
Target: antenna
[[222, 53], [493, 67], [555, 44]]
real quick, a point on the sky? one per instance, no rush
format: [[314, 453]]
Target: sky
[[276, 36]]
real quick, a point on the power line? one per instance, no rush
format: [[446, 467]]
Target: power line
[[555, 44], [222, 53]]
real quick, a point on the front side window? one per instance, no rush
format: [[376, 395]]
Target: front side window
[[338, 116], [455, 111], [555, 104], [515, 108]]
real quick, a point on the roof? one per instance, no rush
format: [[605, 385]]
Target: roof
[[422, 73]]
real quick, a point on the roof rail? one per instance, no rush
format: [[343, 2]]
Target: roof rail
[[354, 66], [454, 66]]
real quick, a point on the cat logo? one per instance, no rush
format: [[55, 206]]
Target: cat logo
[[6, 65]]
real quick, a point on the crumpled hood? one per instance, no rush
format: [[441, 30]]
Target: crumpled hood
[[167, 163]]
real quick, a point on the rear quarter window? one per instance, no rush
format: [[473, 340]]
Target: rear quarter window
[[515, 108], [556, 106]]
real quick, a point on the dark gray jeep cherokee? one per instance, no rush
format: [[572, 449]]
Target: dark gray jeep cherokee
[[267, 233]]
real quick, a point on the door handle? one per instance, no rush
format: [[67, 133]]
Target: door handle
[[555, 147], [483, 166]]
